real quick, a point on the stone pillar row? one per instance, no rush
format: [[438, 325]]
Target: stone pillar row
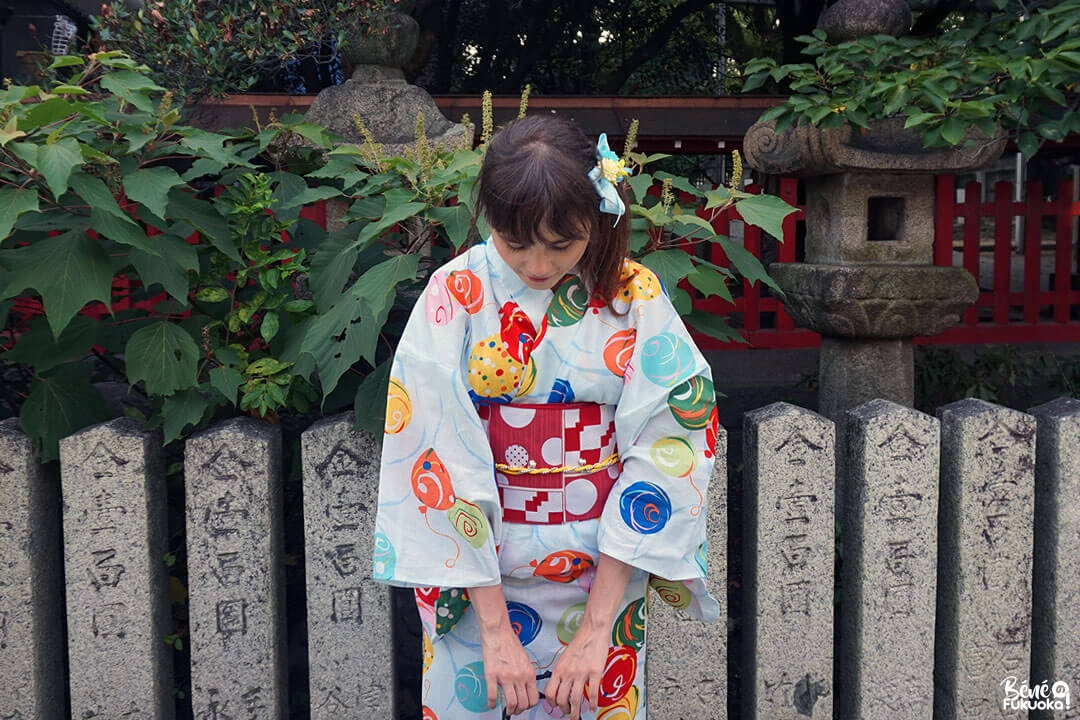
[[957, 569]]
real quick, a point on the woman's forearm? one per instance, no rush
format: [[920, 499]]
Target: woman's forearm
[[607, 591]]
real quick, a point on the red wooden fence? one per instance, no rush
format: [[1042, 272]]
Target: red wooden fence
[[1027, 294]]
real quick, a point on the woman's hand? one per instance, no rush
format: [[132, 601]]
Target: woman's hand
[[506, 664], [582, 663]]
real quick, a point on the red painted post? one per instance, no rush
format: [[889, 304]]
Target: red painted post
[[1002, 250], [1063, 253], [970, 208], [1032, 250]]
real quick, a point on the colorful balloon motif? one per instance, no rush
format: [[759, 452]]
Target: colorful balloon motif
[[429, 651], [645, 507], [470, 522], [517, 332], [493, 372], [624, 709], [674, 593], [384, 558], [619, 674], [467, 289], [674, 456], [563, 566], [437, 303], [561, 392], [667, 360], [569, 303], [692, 402], [449, 608], [712, 433], [629, 627], [618, 350], [701, 557], [525, 621], [398, 407], [429, 714], [638, 282], [569, 622], [470, 687], [431, 482]]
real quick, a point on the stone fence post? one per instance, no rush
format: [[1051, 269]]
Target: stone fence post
[[232, 477], [888, 521], [676, 689], [788, 533], [983, 632], [31, 583], [115, 534], [350, 641]]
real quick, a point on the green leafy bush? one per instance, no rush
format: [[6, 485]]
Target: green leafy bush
[[1011, 71], [188, 265], [228, 46]]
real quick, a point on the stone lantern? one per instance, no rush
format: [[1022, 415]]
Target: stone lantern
[[377, 93], [868, 283]]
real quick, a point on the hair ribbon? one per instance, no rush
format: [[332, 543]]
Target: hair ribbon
[[609, 170]]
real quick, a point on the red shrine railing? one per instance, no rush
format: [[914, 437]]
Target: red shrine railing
[[1028, 273]]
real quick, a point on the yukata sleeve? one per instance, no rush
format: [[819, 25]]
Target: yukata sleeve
[[438, 513], [666, 425]]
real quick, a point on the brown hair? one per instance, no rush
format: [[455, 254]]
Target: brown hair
[[535, 175]]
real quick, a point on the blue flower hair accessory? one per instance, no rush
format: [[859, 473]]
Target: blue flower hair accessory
[[609, 170]]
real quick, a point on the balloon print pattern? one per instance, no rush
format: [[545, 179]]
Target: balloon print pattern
[[667, 360], [563, 566], [398, 407], [692, 402], [524, 620], [466, 288], [645, 507], [629, 628], [432, 487], [618, 349], [569, 303]]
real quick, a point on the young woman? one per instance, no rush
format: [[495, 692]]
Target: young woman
[[549, 439]]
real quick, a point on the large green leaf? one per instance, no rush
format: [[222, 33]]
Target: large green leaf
[[713, 325], [457, 220], [226, 380], [56, 161], [133, 87], [97, 195], [393, 215], [186, 407], [331, 266], [151, 186], [744, 262], [670, 266], [13, 203], [205, 218], [370, 401], [349, 331], [68, 271], [121, 230], [60, 404], [766, 212], [164, 356], [709, 281], [37, 348], [169, 266]]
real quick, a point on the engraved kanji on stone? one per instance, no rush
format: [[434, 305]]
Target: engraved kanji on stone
[[110, 621], [338, 473], [253, 702], [216, 708], [232, 617], [107, 512], [226, 515], [229, 569], [345, 559], [346, 606], [105, 572], [795, 598]]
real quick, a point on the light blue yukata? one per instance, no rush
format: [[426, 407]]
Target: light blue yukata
[[477, 337]]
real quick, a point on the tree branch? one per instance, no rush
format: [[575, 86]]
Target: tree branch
[[656, 41]]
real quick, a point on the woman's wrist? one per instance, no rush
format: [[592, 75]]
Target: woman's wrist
[[489, 604], [608, 588]]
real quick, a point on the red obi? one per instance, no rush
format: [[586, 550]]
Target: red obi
[[554, 463]]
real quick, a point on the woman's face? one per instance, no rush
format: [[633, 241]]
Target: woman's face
[[541, 264]]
